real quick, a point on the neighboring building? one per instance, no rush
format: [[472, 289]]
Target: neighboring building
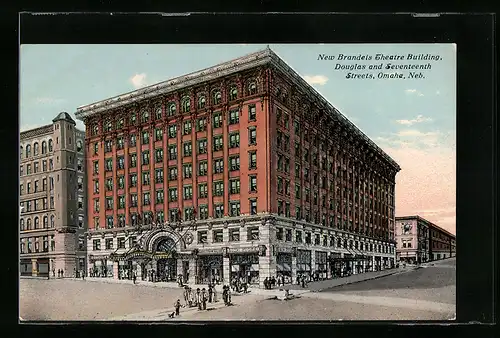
[[238, 169], [419, 240], [52, 198]]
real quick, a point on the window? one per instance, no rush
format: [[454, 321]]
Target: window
[[172, 109], [218, 142], [202, 237], [234, 140], [120, 123], [234, 163], [252, 136], [159, 175], [202, 146], [253, 183], [120, 162], [158, 155], [107, 126], [108, 165], [186, 105], [109, 184], [217, 97], [172, 131], [172, 152], [36, 149], [133, 140], [234, 208], [187, 149], [159, 196], [187, 170], [201, 102], [234, 235], [37, 223], [253, 206], [233, 94], [252, 160], [218, 166], [218, 188], [96, 205], [253, 234], [201, 124], [96, 245], [28, 169], [218, 210], [172, 173], [133, 180], [121, 202], [133, 200], [188, 192], [145, 157], [203, 190], [146, 178], [109, 244], [96, 167], [36, 167], [187, 127], [202, 168], [36, 186], [234, 116], [108, 146], [298, 236], [234, 186], [121, 182], [132, 119], [203, 214], [121, 242], [172, 195], [146, 198], [109, 203], [79, 165], [252, 112], [80, 202], [217, 117]]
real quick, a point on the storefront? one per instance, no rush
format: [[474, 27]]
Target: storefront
[[321, 265], [336, 264], [304, 264], [166, 269], [43, 267], [284, 266], [349, 264], [246, 266], [26, 267], [209, 268]]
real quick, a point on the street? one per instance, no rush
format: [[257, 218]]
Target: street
[[427, 293]]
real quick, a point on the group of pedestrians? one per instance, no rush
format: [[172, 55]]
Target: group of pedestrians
[[200, 297], [239, 285], [60, 273]]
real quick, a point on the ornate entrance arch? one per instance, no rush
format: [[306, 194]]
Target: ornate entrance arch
[[165, 244], [171, 238]]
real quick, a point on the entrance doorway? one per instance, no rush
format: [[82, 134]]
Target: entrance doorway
[[167, 270]]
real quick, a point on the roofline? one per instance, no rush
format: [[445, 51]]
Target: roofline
[[420, 218], [22, 133], [262, 57]]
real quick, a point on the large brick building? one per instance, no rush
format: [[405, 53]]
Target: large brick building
[[419, 240], [52, 198], [238, 169]]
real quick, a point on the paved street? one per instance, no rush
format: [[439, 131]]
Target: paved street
[[427, 293]]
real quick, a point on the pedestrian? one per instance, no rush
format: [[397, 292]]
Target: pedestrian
[[273, 282], [204, 299], [210, 293], [266, 283], [228, 296], [192, 298], [134, 276], [214, 294], [177, 307], [185, 294], [62, 273], [53, 272], [83, 274], [198, 298], [224, 294]]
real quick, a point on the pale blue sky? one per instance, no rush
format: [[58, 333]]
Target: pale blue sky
[[55, 78]]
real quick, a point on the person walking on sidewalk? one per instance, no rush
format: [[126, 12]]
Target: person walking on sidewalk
[[228, 296], [210, 293], [204, 299], [53, 272], [224, 294], [62, 273], [177, 307], [134, 276], [83, 274], [198, 298]]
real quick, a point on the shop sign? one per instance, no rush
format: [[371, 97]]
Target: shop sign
[[244, 259]]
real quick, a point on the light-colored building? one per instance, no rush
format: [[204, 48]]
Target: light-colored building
[[419, 240], [52, 199], [249, 172]]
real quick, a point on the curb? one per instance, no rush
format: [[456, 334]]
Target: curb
[[360, 281]]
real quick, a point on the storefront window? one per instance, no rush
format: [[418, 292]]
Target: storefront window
[[234, 235], [253, 234], [245, 266]]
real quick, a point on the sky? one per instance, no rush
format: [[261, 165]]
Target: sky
[[412, 119]]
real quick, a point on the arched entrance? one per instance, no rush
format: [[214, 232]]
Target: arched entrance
[[166, 266]]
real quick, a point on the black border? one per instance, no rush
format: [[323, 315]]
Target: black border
[[476, 124]]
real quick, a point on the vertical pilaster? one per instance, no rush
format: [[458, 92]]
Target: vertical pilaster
[[34, 267], [192, 270]]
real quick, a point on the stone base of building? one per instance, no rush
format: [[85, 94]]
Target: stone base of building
[[50, 266]]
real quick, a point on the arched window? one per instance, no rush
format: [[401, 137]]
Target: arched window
[[22, 152], [132, 119], [233, 94], [28, 150], [201, 102], [36, 149], [217, 97], [52, 221], [144, 116], [186, 105], [37, 223], [158, 113], [95, 129], [252, 88], [79, 145], [44, 147], [172, 109], [109, 126], [28, 224], [21, 224], [45, 222], [51, 147]]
